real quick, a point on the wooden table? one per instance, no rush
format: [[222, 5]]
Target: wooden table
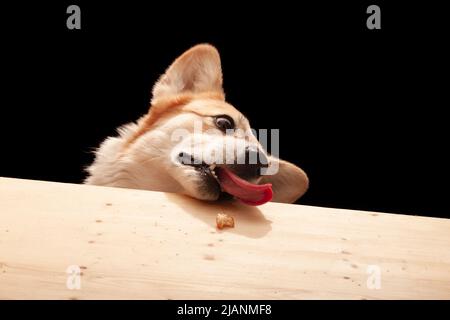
[[65, 241]]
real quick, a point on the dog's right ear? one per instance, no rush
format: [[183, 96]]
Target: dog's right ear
[[195, 71], [289, 182]]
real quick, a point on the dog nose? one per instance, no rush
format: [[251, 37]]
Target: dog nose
[[188, 159], [185, 158]]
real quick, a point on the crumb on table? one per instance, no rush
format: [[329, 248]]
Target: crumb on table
[[223, 220]]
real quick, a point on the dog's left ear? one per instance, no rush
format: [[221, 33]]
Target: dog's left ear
[[288, 183], [197, 70]]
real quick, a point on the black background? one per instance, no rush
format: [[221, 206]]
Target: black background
[[281, 309], [361, 111]]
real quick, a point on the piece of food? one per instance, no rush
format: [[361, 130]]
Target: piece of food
[[223, 220]]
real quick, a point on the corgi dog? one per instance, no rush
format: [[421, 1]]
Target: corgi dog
[[193, 142]]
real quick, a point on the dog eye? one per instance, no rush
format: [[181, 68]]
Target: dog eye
[[224, 122]]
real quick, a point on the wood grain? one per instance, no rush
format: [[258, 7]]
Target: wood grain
[[133, 244]]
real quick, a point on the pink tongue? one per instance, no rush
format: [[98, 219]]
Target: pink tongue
[[249, 193]]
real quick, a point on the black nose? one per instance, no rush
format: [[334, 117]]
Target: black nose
[[188, 159]]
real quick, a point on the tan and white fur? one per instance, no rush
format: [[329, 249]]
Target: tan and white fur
[[144, 154]]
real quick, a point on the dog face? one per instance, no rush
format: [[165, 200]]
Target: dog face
[[195, 143]]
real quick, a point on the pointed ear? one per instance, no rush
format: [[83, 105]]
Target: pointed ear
[[288, 183], [197, 70]]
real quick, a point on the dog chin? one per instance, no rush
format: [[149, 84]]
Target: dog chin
[[200, 185]]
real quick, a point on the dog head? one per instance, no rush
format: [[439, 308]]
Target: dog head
[[193, 142]]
